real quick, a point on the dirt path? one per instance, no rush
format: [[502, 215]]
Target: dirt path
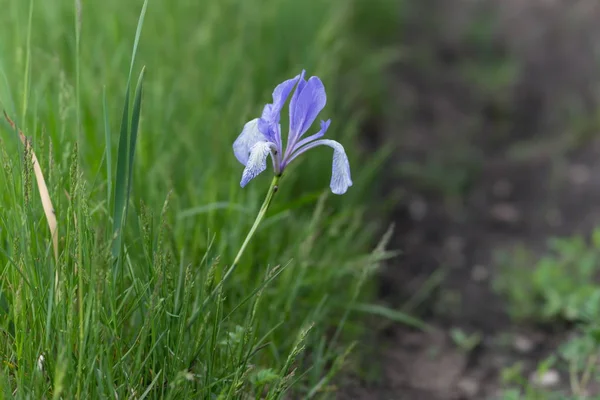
[[511, 204], [496, 149]]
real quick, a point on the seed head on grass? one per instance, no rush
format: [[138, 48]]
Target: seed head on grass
[[261, 137], [27, 175]]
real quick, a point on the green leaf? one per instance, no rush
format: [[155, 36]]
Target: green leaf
[[120, 185], [126, 139], [135, 123], [108, 146]]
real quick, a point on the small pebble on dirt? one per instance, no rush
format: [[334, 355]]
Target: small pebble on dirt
[[548, 379], [505, 212], [579, 174], [455, 244], [417, 209], [469, 387], [523, 344], [480, 273]]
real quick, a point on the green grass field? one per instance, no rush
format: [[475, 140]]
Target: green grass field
[[144, 313]]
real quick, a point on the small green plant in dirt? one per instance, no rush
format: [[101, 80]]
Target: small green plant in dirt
[[465, 341], [562, 286], [577, 358], [518, 386], [581, 356], [559, 286]]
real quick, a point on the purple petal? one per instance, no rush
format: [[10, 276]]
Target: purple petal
[[272, 112], [341, 179], [299, 88], [271, 131], [257, 161], [267, 112], [309, 103], [246, 140], [321, 133], [267, 128]]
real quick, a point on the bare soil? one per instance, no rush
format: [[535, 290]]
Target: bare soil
[[494, 123]]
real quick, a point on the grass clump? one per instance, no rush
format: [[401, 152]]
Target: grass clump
[[150, 214]]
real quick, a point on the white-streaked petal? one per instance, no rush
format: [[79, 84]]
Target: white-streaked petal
[[246, 140], [341, 179], [340, 175], [257, 162]]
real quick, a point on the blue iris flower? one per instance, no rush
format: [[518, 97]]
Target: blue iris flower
[[261, 137]]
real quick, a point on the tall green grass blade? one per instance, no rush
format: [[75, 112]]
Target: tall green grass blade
[[121, 192], [121, 180], [108, 151], [78, 68], [27, 74], [135, 123], [138, 33], [147, 391], [392, 315]]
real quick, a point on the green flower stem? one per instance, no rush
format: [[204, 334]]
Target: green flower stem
[[261, 215], [257, 221]]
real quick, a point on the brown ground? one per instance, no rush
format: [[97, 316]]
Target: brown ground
[[495, 148]]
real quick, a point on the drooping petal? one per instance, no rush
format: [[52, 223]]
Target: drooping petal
[[308, 104], [321, 133], [341, 179], [257, 162], [246, 140]]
